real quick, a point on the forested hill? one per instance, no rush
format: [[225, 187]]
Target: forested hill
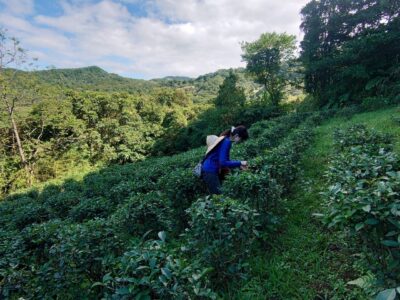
[[93, 78], [206, 86], [202, 88]]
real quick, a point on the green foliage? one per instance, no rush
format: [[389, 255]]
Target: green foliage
[[359, 135], [93, 78], [141, 214], [90, 208], [215, 120], [202, 89], [83, 128], [72, 238], [150, 271], [268, 59], [113, 126], [58, 260], [25, 211], [170, 97], [258, 190], [181, 187], [229, 95], [271, 132], [364, 183], [282, 162], [60, 203], [205, 87], [274, 170], [349, 51], [220, 230]]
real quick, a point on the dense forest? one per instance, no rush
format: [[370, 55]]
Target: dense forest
[[99, 201], [201, 89]]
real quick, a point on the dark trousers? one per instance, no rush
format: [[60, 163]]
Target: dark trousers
[[213, 183]]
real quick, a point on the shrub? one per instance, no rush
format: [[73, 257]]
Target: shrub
[[282, 162], [273, 172], [181, 187], [29, 214], [101, 183], [360, 135], [90, 208], [363, 194], [268, 134], [13, 271], [121, 191], [143, 213], [71, 258], [363, 187], [374, 103], [151, 271], [259, 191], [219, 234], [61, 203], [348, 112]]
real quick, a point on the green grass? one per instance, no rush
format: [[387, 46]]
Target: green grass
[[306, 260], [381, 120]]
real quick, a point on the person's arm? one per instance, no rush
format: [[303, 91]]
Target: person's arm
[[223, 157]]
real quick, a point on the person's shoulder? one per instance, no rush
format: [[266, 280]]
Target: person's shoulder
[[226, 141]]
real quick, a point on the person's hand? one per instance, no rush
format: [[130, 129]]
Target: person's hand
[[244, 165]]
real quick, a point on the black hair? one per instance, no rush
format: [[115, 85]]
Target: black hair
[[240, 130]]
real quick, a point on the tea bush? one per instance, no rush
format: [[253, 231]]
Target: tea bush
[[363, 194], [86, 239], [12, 269], [282, 163], [151, 271], [182, 188], [144, 213], [359, 135], [24, 212], [61, 203], [58, 259], [273, 174], [268, 134], [219, 235], [258, 190], [91, 208]]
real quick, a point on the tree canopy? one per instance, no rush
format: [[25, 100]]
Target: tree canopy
[[268, 59], [350, 50]]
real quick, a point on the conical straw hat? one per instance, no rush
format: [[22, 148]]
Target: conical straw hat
[[212, 142]]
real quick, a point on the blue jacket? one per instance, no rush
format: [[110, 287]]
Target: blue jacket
[[219, 158]]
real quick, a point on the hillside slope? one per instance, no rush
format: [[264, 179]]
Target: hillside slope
[[97, 226], [203, 88], [93, 78], [147, 228], [308, 260]]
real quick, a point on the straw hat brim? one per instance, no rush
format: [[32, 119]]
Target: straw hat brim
[[214, 144]]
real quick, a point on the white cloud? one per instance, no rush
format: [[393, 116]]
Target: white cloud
[[19, 7], [187, 37]]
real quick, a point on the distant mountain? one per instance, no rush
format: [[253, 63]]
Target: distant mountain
[[202, 88], [94, 78], [181, 78], [205, 87]]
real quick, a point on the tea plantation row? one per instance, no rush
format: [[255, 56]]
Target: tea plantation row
[[363, 197], [136, 231]]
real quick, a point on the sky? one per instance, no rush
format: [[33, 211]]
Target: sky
[[145, 39]]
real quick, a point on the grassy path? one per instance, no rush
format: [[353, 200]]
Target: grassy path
[[307, 261]]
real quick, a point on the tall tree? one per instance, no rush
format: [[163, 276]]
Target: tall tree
[[229, 94], [350, 50], [268, 59], [12, 55]]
